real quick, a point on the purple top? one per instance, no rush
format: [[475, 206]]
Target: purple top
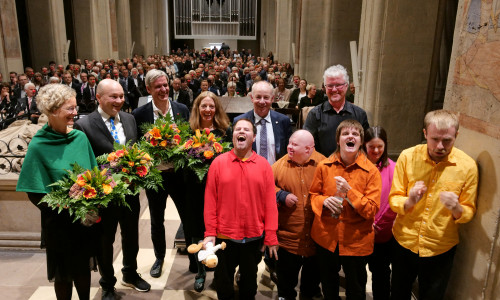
[[384, 219]]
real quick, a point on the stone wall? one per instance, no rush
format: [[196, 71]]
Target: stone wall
[[473, 91]]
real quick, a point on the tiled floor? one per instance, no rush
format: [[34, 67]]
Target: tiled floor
[[23, 274]]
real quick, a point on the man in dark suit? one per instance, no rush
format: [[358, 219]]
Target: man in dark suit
[[273, 131], [177, 94], [278, 126], [173, 185], [134, 90], [27, 105], [73, 83], [89, 99], [100, 127]]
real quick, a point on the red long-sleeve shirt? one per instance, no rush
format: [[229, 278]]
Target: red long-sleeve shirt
[[240, 200]]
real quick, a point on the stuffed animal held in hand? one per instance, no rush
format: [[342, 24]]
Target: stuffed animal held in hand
[[207, 256]]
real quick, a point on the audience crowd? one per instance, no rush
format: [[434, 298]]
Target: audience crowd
[[312, 202]]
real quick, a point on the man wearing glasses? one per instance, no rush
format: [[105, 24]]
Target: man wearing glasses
[[323, 120]]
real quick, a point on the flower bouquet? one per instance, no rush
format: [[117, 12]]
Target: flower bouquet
[[83, 192], [135, 165], [162, 139], [201, 149]]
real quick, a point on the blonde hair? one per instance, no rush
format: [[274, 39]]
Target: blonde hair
[[443, 119], [52, 96], [221, 120]]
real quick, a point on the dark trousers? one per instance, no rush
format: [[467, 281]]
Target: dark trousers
[[432, 272], [173, 185], [288, 267], [379, 263], [354, 269], [247, 256], [129, 224]]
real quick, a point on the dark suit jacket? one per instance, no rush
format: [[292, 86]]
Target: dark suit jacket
[[87, 104], [144, 114], [282, 130], [22, 105], [182, 98], [98, 134]]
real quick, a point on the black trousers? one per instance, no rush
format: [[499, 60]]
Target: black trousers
[[379, 263], [129, 224], [354, 269], [288, 267], [247, 256], [173, 185], [432, 272]]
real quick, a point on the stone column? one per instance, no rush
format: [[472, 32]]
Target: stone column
[[100, 28], [10, 45], [113, 29], [148, 32], [268, 27], [395, 51], [123, 27], [326, 29], [285, 23]]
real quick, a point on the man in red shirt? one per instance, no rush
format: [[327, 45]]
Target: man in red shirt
[[240, 209]]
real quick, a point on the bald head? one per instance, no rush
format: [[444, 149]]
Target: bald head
[[110, 96], [300, 146]]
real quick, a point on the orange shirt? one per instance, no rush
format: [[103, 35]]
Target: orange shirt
[[353, 229], [294, 223]]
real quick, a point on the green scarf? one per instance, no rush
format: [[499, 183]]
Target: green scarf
[[49, 154]]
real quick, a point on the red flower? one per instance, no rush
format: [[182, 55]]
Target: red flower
[[207, 131], [177, 139], [142, 171], [153, 142], [188, 144], [89, 193], [120, 153], [218, 147]]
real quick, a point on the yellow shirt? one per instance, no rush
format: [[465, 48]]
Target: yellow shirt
[[429, 228]]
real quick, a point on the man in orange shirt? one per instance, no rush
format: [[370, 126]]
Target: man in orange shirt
[[345, 196], [293, 174]]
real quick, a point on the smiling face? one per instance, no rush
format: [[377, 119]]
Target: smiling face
[[300, 146], [349, 140], [159, 89], [110, 96], [439, 141], [243, 138], [375, 149], [64, 115], [262, 98], [207, 110], [336, 88]]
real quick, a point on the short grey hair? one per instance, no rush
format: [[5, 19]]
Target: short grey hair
[[29, 86], [335, 71], [52, 96], [153, 75], [54, 79]]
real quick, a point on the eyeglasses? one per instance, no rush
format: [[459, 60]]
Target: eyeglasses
[[336, 86]]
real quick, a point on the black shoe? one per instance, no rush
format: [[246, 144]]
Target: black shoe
[[156, 268], [199, 283], [108, 294], [272, 274], [137, 283]]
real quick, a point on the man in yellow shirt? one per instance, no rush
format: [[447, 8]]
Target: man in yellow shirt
[[434, 189]]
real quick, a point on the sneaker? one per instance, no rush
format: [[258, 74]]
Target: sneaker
[[108, 294], [136, 283]]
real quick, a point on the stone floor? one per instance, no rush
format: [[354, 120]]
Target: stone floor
[[23, 273]]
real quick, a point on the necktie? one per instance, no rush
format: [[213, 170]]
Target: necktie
[[114, 133], [92, 97], [176, 94], [263, 138]]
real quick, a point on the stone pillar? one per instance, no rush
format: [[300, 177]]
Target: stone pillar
[[285, 24], [326, 29], [395, 56], [10, 45], [268, 27], [100, 28], [124, 28], [147, 33], [113, 29], [473, 92]]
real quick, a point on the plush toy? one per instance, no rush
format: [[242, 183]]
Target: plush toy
[[207, 257]]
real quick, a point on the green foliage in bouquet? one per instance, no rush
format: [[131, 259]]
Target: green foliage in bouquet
[[135, 165], [84, 192]]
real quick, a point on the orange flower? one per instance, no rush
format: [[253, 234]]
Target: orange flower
[[177, 139], [106, 188], [120, 153], [125, 170], [80, 181], [211, 137], [155, 132], [146, 156], [143, 161], [112, 156], [131, 163], [208, 154], [188, 144], [142, 171], [218, 147], [163, 143], [89, 192], [103, 172], [198, 133]]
